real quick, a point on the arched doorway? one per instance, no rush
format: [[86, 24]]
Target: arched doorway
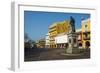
[[80, 44], [87, 44]]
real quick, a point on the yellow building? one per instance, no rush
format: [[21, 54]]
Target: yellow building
[[63, 27], [55, 29], [85, 33]]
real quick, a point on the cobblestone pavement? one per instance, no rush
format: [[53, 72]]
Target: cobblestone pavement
[[42, 54]]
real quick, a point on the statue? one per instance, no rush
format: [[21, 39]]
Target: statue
[[72, 38], [72, 23]]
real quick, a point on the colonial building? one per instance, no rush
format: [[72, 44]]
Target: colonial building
[[58, 34], [86, 33], [53, 34], [55, 30]]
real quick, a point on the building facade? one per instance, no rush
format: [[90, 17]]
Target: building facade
[[47, 41], [55, 30], [86, 33], [40, 43], [61, 40], [53, 34], [57, 36]]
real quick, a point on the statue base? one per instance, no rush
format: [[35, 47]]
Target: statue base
[[72, 40], [72, 51]]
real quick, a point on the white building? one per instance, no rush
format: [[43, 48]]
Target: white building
[[61, 40], [47, 42]]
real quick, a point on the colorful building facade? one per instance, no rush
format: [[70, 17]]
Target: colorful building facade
[[86, 33], [58, 34], [53, 34], [56, 29]]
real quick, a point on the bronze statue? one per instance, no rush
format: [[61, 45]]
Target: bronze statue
[[72, 23]]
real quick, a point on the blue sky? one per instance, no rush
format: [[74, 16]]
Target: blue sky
[[36, 23]]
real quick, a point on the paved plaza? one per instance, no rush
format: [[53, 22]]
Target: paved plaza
[[43, 54]]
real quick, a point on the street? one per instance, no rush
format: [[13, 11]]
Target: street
[[42, 54]]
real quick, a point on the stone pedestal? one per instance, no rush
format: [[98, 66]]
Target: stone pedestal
[[72, 41]]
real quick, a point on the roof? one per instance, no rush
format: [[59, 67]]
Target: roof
[[57, 23], [52, 25]]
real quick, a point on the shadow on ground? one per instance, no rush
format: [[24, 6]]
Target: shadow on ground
[[42, 54]]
